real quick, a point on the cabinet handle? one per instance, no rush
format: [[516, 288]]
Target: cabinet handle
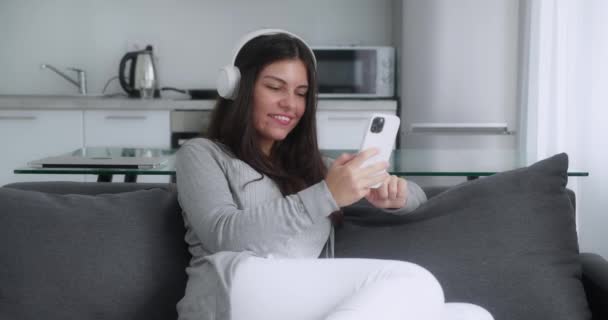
[[18, 117], [465, 128], [348, 118], [126, 117]]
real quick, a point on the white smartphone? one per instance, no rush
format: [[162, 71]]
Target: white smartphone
[[380, 133]]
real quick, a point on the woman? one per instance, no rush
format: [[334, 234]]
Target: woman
[[259, 201]]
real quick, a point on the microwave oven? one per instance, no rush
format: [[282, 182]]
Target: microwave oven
[[355, 71]]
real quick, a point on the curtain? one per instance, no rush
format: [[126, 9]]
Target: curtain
[[564, 101]]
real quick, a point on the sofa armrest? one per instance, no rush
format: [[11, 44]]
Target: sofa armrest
[[595, 280]]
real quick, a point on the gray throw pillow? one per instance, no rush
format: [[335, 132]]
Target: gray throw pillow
[[506, 242], [112, 256]]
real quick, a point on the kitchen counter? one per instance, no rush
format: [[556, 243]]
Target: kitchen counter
[[68, 102], [52, 102]]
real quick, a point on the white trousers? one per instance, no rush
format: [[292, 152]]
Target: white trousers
[[333, 289]]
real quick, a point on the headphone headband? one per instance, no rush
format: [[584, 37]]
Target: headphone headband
[[267, 32], [229, 77]]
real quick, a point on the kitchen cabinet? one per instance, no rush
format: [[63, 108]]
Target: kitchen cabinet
[[26, 135], [128, 128], [35, 133], [341, 124]]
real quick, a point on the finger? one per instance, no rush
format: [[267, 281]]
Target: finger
[[358, 160], [374, 168], [374, 180], [344, 158], [392, 188], [402, 189], [372, 195], [383, 190]]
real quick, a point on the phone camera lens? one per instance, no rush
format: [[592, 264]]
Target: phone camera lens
[[377, 124]]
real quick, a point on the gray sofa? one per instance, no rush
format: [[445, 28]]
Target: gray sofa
[[116, 250]]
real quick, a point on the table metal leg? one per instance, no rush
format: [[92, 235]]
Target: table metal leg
[[104, 178]]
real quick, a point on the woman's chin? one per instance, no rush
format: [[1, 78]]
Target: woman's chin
[[278, 136]]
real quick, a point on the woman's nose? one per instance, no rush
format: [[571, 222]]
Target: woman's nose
[[288, 101]]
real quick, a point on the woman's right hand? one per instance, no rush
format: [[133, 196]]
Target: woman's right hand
[[348, 182]]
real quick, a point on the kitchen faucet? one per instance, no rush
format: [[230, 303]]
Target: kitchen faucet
[[81, 83]]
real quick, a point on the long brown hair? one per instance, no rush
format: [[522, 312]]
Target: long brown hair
[[295, 163]]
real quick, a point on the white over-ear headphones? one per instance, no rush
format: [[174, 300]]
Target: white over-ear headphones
[[230, 75]]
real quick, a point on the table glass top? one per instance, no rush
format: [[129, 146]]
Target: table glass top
[[98, 152], [403, 162]]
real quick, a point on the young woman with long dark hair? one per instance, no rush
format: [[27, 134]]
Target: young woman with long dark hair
[[259, 203]]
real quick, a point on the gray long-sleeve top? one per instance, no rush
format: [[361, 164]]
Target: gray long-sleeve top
[[227, 219]]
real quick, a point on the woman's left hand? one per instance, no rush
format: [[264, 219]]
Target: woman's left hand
[[391, 194]]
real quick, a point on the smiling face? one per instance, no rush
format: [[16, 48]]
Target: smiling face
[[279, 100]]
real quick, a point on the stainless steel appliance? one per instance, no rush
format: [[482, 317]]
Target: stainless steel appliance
[[355, 71], [188, 124], [80, 81], [138, 75]]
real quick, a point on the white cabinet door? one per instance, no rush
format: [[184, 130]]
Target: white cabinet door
[[343, 129], [128, 128], [27, 135]]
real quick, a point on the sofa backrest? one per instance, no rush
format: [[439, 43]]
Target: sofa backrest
[[91, 251], [69, 187], [97, 188], [435, 190], [72, 250]]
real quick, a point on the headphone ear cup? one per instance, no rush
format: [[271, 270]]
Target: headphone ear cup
[[228, 82]]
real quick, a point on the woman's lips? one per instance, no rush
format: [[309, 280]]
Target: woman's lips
[[281, 119]]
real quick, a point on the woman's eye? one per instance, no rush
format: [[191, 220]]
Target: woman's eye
[[273, 88]]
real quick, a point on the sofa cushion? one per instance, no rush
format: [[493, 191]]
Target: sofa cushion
[[506, 242], [108, 256]]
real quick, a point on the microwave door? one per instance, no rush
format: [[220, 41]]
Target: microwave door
[[346, 72]]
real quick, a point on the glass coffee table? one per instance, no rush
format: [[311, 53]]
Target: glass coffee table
[[470, 164], [105, 174]]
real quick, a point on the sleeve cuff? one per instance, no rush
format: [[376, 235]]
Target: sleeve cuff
[[318, 201]]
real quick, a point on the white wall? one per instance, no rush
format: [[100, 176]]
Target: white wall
[[192, 37]]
